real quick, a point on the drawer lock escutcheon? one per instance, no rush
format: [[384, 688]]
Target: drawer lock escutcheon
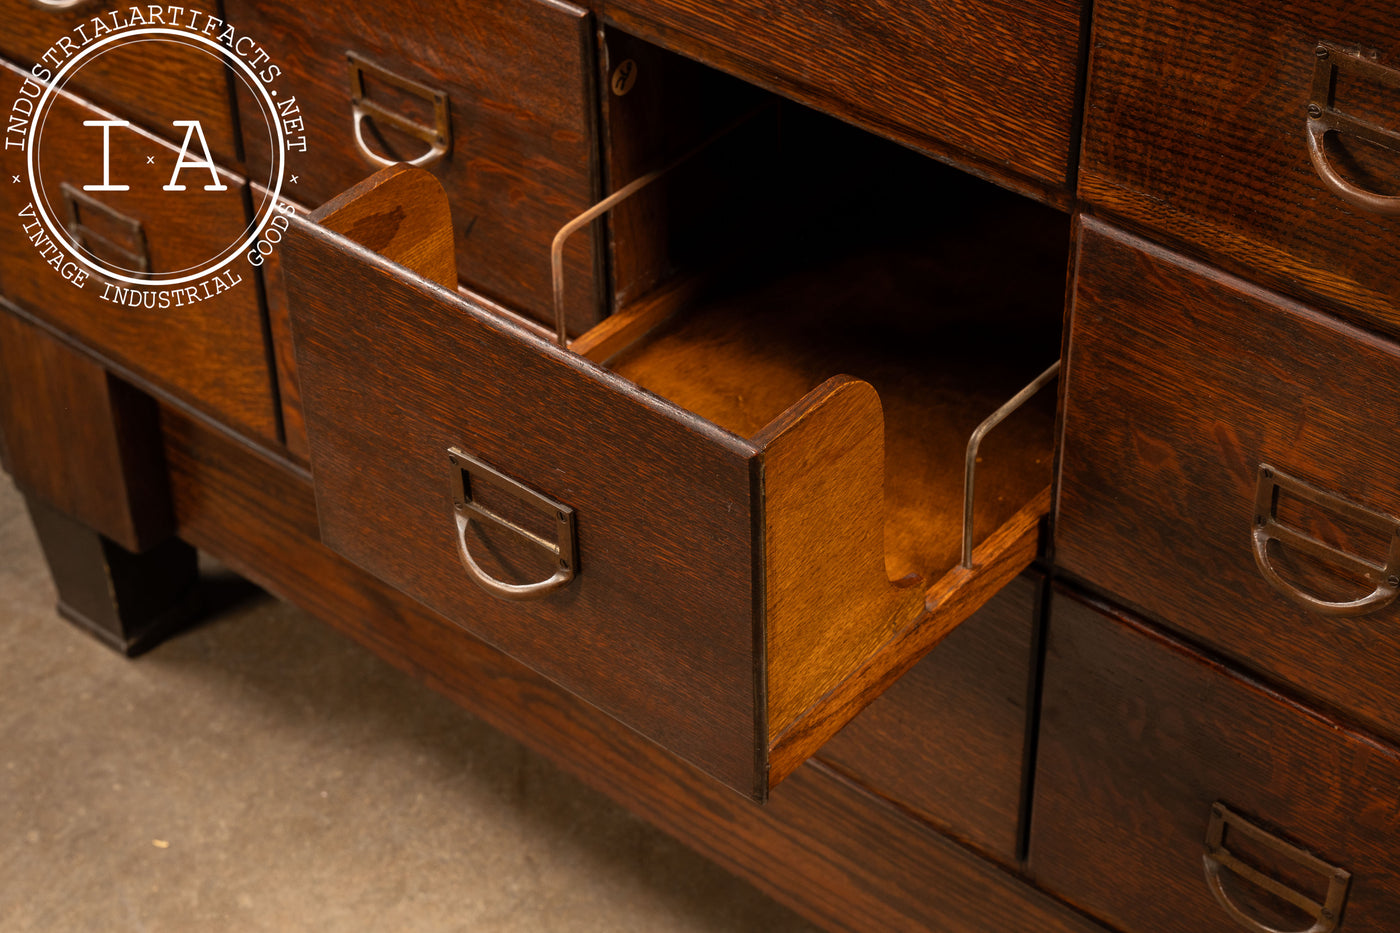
[[363, 106], [1219, 858], [1268, 527], [1325, 116], [466, 472]]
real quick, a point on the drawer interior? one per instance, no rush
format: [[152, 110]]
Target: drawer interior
[[762, 447], [829, 251]]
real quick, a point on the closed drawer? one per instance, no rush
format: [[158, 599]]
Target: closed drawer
[[1210, 430], [992, 80], [756, 549], [1174, 796], [1197, 124], [494, 97], [208, 349], [947, 742], [153, 80]]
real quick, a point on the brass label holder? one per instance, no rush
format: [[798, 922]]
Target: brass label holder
[[1326, 115], [1218, 858], [465, 472], [134, 255], [438, 136], [1385, 578]]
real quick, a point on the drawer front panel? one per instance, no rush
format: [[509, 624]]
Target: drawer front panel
[[519, 161], [151, 83], [657, 626], [947, 741], [1142, 740], [211, 352], [1197, 124], [993, 79], [1183, 387]]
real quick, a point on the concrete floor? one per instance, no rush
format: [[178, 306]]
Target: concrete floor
[[261, 772]]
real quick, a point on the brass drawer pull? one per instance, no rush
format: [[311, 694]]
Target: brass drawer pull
[[1217, 857], [466, 470], [1267, 527], [438, 136], [1324, 118], [133, 254]]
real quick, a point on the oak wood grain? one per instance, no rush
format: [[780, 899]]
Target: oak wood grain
[[401, 213], [625, 328], [660, 112], [80, 440], [950, 602], [1140, 737], [519, 77], [1181, 383], [993, 79], [828, 600], [129, 602], [947, 742], [279, 327], [144, 79], [212, 353], [657, 627], [822, 845], [675, 506], [1196, 127]]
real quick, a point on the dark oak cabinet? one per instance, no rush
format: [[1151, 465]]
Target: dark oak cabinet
[[937, 459]]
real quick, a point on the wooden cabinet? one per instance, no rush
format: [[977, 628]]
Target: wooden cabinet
[[680, 500]]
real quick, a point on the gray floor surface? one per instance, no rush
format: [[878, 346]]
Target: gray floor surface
[[261, 772]]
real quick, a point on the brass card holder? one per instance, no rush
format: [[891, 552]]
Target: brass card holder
[[1325, 115], [1385, 578], [466, 472], [974, 443], [556, 249], [438, 136], [133, 255], [1218, 858]]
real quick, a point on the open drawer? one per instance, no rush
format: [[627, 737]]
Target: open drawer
[[718, 538]]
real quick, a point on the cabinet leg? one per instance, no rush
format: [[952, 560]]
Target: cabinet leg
[[128, 601]]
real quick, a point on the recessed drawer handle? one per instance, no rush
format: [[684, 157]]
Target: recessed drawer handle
[[1217, 858], [1267, 527], [466, 471], [133, 254], [438, 136], [1324, 118]]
